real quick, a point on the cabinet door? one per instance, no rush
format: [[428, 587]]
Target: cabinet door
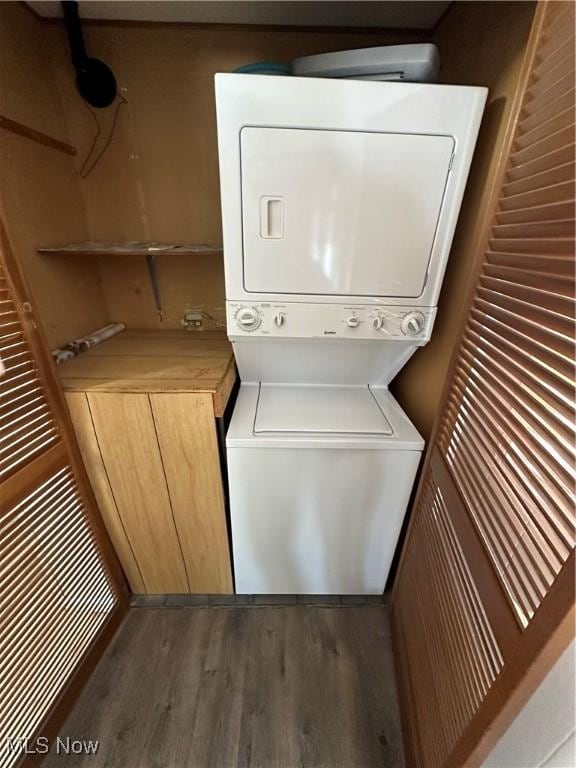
[[187, 436], [83, 426], [131, 455]]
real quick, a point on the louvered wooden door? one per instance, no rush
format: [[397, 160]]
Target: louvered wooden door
[[484, 598], [62, 592]]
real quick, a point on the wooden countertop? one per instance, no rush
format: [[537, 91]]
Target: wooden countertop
[[156, 361]]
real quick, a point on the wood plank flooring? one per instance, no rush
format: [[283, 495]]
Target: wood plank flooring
[[242, 687]]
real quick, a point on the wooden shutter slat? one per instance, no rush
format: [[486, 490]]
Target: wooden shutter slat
[[458, 707], [456, 650], [555, 193], [17, 534], [22, 414], [562, 266], [526, 391], [499, 546], [524, 406], [16, 356], [9, 319], [29, 570], [558, 479], [503, 547], [555, 304], [20, 366], [551, 341], [24, 394], [24, 434], [560, 284], [560, 92], [553, 352], [37, 609], [42, 495], [513, 472], [549, 212], [556, 81], [564, 34], [35, 424], [34, 582], [525, 363], [515, 483], [541, 246], [501, 531], [46, 545], [562, 51], [536, 314], [42, 692], [519, 474], [557, 15], [540, 446], [482, 656], [12, 350], [547, 162], [538, 114], [545, 146], [541, 124], [452, 618], [542, 230], [27, 452], [34, 609], [539, 181]]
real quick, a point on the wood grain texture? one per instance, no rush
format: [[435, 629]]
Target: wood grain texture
[[168, 361], [87, 440], [244, 687], [528, 651], [129, 449], [130, 249], [187, 438]]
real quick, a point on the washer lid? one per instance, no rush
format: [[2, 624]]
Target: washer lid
[[310, 409]]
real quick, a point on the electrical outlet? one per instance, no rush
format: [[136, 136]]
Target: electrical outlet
[[192, 321]]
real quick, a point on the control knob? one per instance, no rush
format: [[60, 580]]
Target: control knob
[[378, 322], [280, 319], [353, 322], [413, 323], [248, 318]]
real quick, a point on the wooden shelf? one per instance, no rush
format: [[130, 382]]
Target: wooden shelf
[[13, 126], [135, 248]]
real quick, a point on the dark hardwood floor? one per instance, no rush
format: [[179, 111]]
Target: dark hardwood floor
[[247, 687]]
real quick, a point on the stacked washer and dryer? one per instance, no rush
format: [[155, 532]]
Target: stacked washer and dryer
[[339, 203]]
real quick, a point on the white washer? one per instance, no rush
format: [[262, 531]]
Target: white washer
[[339, 203], [321, 477]]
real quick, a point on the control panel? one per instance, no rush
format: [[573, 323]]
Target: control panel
[[329, 320]]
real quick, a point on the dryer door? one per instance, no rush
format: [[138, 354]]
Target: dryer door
[[340, 213]]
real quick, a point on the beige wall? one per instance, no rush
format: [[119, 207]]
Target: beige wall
[[481, 43], [159, 178], [40, 198]]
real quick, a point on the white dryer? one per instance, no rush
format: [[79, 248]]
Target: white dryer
[[339, 203]]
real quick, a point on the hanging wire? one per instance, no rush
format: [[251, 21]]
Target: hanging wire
[[208, 316], [88, 165]]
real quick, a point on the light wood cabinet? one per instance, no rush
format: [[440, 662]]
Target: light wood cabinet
[[154, 465]]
